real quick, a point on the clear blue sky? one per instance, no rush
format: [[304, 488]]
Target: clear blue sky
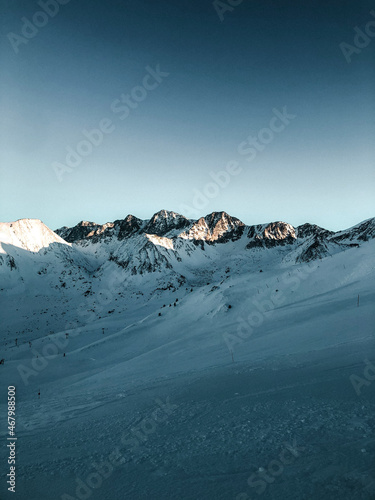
[[225, 78]]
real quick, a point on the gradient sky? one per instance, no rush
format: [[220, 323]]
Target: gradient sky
[[224, 80]]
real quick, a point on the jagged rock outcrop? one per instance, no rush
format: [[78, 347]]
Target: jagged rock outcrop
[[128, 226], [307, 230], [360, 232], [164, 222], [271, 235], [157, 243], [312, 241], [83, 230], [218, 227]]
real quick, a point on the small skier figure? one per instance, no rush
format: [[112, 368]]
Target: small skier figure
[[39, 394]]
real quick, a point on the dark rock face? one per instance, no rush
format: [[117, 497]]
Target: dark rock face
[[84, 230], [128, 226], [316, 250], [362, 232], [307, 230], [316, 239], [81, 231], [11, 262], [320, 238], [164, 221], [218, 227], [223, 227], [272, 235]]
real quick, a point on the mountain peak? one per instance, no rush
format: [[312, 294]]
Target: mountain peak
[[279, 230], [29, 234], [79, 232], [213, 218], [270, 235], [306, 230], [166, 213], [128, 226], [217, 227], [165, 221], [363, 231], [85, 223]]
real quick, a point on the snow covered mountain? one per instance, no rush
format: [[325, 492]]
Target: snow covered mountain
[[29, 250], [169, 246], [28, 234], [139, 259], [168, 230]]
